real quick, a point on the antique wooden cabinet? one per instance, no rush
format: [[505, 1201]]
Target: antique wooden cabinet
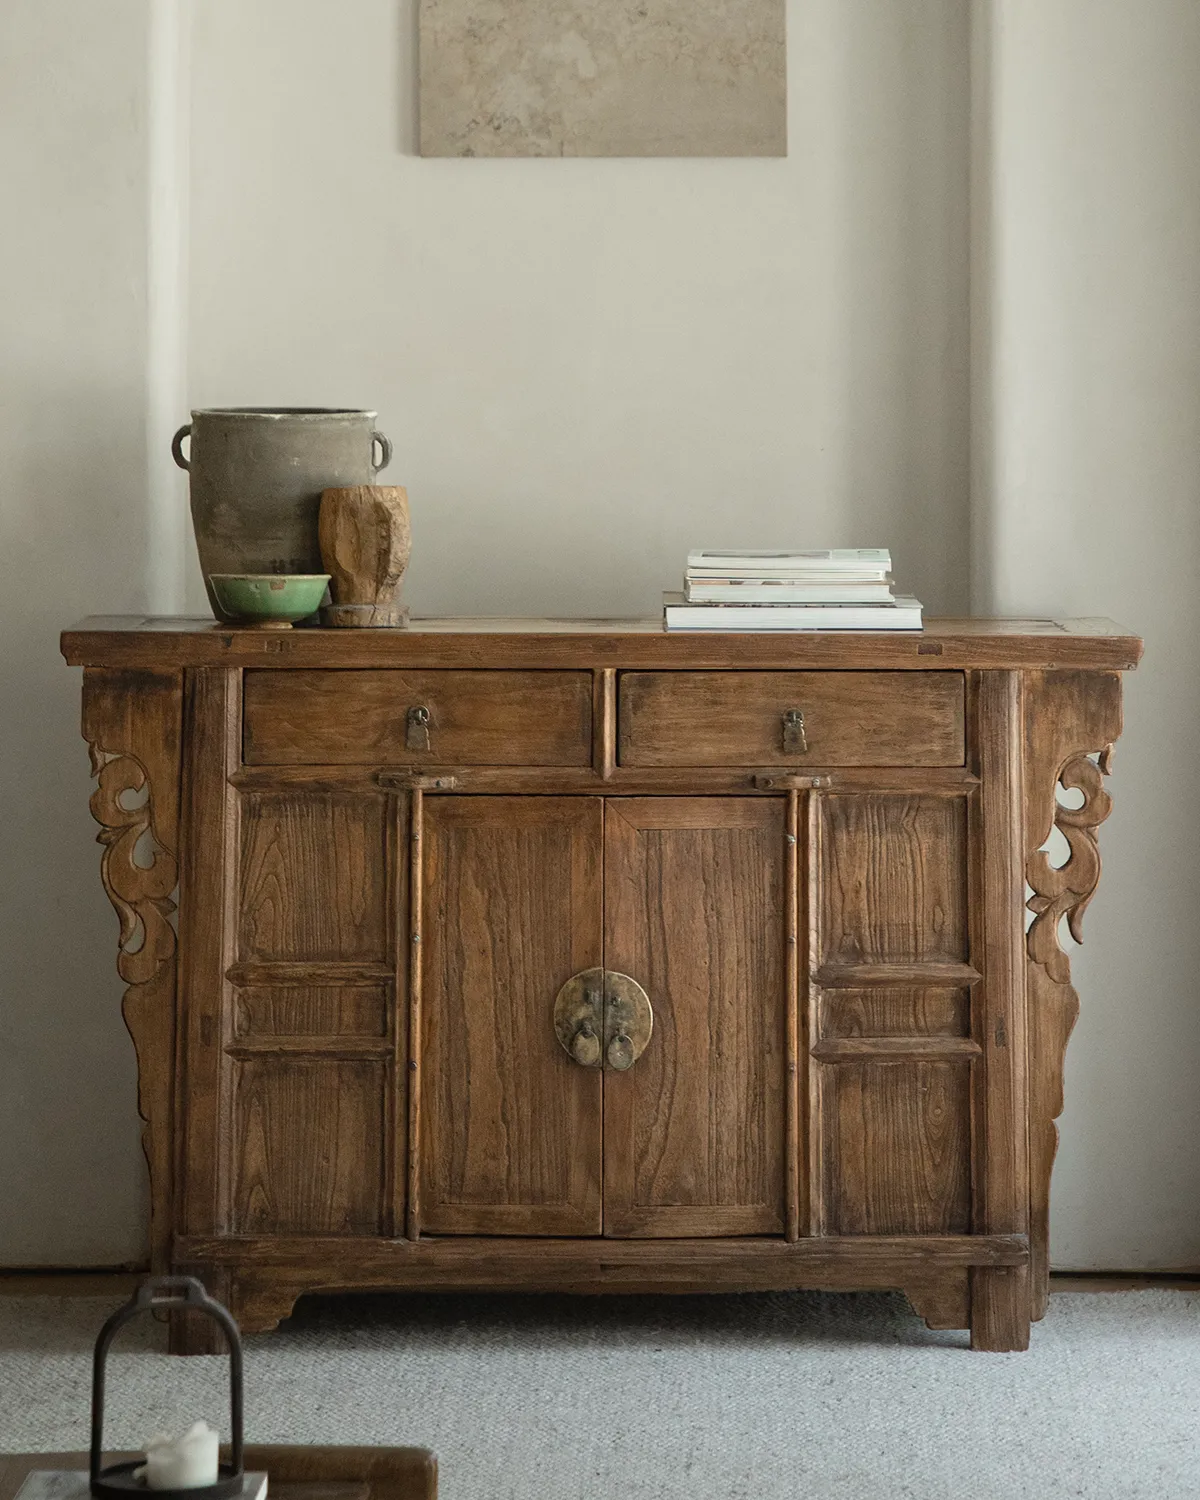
[[579, 956]]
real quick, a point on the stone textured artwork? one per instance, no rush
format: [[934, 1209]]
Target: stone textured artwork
[[603, 78]]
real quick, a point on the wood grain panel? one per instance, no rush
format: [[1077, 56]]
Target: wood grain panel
[[736, 718], [308, 1146], [475, 718], [694, 1132], [897, 1147], [893, 879], [313, 877], [511, 1126], [316, 1012], [896, 1012], [472, 642]]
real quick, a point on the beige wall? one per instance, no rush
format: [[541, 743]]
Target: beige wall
[[588, 366], [1092, 506], [74, 519]]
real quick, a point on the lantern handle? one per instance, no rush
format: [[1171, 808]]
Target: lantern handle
[[153, 1293]]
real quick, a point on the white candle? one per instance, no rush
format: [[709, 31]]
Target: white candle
[[183, 1463]]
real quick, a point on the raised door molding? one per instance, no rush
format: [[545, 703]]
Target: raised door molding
[[1072, 720], [132, 721]]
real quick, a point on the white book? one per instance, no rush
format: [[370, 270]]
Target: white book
[[820, 560], [783, 591], [773, 575], [904, 614]]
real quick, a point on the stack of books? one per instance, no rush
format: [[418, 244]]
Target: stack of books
[[848, 588]]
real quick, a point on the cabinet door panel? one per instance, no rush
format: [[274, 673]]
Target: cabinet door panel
[[313, 877], [511, 1127], [897, 1141], [890, 1078], [308, 1146], [311, 1013], [893, 1012], [693, 1132], [893, 879]]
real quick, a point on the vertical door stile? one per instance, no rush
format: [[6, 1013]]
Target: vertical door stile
[[412, 1226], [794, 1177], [230, 730], [604, 728], [395, 1165], [208, 885], [1000, 1300], [814, 1175]]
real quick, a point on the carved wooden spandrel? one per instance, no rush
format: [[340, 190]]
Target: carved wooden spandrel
[[1069, 718], [132, 723], [1067, 891], [139, 874]]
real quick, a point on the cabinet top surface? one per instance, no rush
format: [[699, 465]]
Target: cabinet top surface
[[167, 642]]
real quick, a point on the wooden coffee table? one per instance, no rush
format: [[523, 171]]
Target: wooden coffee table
[[294, 1473]]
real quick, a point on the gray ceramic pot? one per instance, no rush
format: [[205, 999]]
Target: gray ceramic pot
[[256, 477]]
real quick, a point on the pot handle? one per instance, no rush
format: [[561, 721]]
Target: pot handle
[[177, 445], [385, 448]]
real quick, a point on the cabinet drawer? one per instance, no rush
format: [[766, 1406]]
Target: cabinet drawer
[[738, 718], [352, 718]]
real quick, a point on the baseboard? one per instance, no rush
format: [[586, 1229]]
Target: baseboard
[[1124, 1281], [69, 1281]]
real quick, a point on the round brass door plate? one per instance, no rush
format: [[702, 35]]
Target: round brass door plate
[[603, 1018]]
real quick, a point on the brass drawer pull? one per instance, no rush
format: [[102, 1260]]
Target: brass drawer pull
[[416, 729], [795, 741], [600, 1016]]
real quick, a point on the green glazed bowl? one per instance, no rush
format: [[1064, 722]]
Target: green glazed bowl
[[270, 601]]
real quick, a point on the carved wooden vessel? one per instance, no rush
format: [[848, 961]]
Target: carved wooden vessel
[[366, 542], [577, 956]]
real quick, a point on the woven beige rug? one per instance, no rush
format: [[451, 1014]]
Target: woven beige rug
[[722, 1398]]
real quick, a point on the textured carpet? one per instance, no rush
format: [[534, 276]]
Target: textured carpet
[[734, 1398]]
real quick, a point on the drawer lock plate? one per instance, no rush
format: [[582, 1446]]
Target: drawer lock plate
[[795, 741], [416, 729]]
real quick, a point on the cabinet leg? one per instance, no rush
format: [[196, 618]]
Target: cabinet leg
[[944, 1301], [193, 1333], [1000, 1308]]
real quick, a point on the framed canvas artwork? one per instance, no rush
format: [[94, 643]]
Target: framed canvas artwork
[[603, 78]]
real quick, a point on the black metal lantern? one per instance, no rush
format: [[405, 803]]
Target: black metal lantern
[[118, 1481]]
